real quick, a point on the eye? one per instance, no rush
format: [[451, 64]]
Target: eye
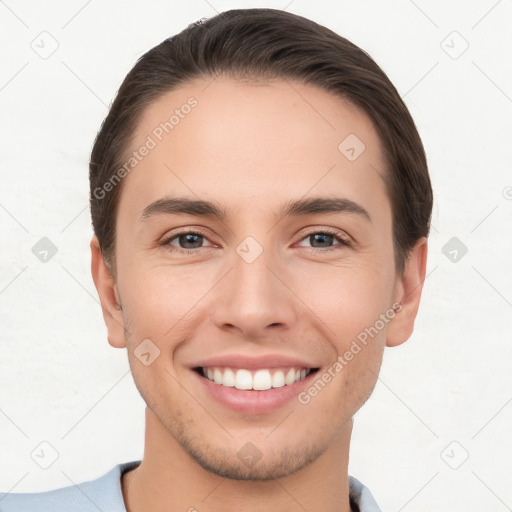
[[325, 237], [186, 241], [191, 241]]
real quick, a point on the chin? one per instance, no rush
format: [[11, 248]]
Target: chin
[[250, 464]]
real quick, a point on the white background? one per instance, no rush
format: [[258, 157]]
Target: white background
[[62, 383]]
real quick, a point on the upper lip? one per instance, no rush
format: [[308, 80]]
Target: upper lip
[[252, 362]]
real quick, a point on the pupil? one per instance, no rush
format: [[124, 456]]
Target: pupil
[[322, 236], [190, 239]]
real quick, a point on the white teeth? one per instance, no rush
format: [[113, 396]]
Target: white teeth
[[260, 380], [290, 377], [229, 378], [243, 379], [278, 379], [217, 376]]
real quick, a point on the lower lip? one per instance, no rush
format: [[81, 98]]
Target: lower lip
[[253, 401]]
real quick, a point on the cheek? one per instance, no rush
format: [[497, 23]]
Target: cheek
[[165, 304], [362, 372], [347, 298], [340, 390]]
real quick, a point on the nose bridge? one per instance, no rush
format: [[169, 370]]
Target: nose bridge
[[254, 297], [252, 276]]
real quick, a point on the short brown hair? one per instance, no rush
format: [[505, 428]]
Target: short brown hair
[[268, 43]]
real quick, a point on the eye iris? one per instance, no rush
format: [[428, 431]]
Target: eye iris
[[194, 240], [189, 239], [321, 237]]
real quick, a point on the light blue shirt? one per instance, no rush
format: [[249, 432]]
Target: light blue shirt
[[105, 494]]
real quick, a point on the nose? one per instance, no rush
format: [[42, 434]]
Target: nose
[[255, 297]]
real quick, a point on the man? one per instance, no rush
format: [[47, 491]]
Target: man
[[261, 205]]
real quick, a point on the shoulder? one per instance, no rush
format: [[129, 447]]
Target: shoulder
[[361, 497], [103, 493]]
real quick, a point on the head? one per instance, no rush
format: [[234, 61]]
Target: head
[[259, 188]]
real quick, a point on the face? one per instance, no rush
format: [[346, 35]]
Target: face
[[277, 257]]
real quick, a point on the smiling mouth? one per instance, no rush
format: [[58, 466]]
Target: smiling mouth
[[255, 380]]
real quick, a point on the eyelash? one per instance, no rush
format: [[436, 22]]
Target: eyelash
[[343, 242]]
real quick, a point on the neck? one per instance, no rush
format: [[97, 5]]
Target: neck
[[169, 480]]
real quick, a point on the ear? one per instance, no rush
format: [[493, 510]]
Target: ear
[[109, 296], [408, 292]]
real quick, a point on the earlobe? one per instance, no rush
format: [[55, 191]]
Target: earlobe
[[109, 296], [408, 294]]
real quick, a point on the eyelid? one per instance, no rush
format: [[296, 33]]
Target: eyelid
[[342, 236], [185, 231]]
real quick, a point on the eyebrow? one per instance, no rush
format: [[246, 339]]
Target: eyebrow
[[292, 208]]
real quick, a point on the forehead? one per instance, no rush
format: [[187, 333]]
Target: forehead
[[240, 143]]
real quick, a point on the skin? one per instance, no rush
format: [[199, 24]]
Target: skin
[[251, 148]]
